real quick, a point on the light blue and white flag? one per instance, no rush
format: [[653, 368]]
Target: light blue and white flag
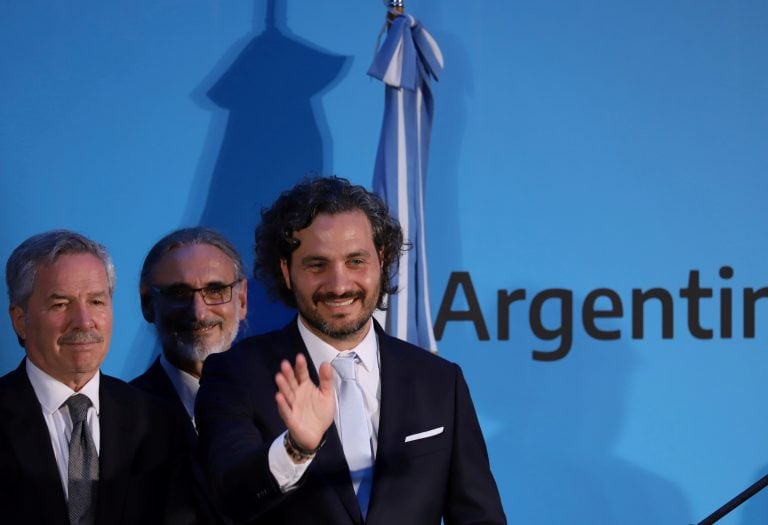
[[406, 62]]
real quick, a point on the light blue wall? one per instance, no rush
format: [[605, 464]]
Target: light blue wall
[[580, 146]]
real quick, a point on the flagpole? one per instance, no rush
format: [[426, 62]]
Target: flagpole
[[743, 496], [396, 8]]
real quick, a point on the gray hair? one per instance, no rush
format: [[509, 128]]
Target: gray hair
[[185, 237], [42, 250]]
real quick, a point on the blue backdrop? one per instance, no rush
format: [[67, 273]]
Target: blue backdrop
[[609, 146]]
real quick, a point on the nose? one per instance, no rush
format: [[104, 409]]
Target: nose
[[198, 307], [338, 280], [81, 317]]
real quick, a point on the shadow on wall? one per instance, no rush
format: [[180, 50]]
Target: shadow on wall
[[267, 132], [451, 94], [275, 134], [562, 422]]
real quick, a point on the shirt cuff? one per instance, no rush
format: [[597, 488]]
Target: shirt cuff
[[284, 470]]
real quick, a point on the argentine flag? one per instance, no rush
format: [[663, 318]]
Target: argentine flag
[[406, 62]]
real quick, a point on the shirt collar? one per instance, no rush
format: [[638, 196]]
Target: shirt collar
[[322, 352], [52, 393], [185, 384]]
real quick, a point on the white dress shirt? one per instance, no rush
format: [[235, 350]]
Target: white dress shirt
[[51, 393], [185, 384], [285, 471]]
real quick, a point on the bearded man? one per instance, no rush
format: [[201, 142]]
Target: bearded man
[[194, 291], [330, 421]]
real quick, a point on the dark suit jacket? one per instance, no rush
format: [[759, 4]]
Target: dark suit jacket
[[157, 383], [417, 483], [139, 477]]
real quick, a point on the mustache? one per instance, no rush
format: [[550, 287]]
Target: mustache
[[81, 338], [199, 325], [330, 296]]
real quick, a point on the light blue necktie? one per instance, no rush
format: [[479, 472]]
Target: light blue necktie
[[354, 428]]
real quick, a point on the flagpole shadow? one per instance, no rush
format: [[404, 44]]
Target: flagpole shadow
[[268, 131]]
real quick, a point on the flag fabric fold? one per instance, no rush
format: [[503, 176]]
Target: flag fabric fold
[[407, 61]]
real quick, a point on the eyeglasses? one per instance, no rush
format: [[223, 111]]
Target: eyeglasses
[[212, 295]]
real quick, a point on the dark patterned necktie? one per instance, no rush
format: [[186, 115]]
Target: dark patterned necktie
[[83, 472]]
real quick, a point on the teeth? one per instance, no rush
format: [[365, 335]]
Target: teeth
[[340, 303]]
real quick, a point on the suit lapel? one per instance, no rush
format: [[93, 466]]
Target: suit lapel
[[31, 442], [330, 465], [116, 452], [162, 387], [394, 377]]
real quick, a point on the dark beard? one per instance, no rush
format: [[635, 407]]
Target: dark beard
[[342, 333]]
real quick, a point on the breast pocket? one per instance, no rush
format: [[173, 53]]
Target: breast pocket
[[424, 442]]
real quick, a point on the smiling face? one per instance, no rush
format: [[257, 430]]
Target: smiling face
[[67, 324], [335, 275], [191, 330]]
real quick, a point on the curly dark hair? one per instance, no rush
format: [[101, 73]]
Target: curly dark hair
[[295, 210]]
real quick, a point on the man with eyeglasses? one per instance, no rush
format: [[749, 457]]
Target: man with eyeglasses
[[194, 291]]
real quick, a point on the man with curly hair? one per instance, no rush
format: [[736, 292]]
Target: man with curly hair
[[330, 420]]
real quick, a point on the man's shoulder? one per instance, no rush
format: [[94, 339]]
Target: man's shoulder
[[13, 384], [403, 350], [154, 380], [271, 338], [116, 387], [264, 347], [128, 397], [143, 380], [11, 378]]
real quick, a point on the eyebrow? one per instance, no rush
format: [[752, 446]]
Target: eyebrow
[[359, 253], [55, 296], [178, 284], [322, 258], [313, 258]]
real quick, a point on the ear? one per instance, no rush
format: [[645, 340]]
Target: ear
[[147, 308], [242, 297], [18, 319], [286, 272]]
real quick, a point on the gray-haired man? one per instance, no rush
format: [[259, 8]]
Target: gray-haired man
[[194, 291], [77, 446]]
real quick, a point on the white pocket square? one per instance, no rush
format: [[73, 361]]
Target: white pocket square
[[425, 434]]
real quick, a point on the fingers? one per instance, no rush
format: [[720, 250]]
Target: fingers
[[306, 411], [284, 388], [289, 373], [289, 379], [283, 409], [302, 368], [326, 378]]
